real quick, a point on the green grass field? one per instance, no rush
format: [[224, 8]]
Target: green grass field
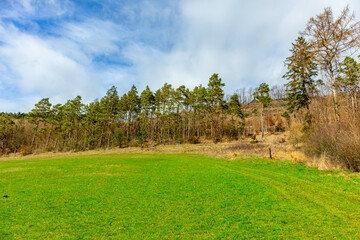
[[174, 196]]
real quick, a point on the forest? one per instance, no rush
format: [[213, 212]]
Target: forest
[[319, 101], [166, 116]]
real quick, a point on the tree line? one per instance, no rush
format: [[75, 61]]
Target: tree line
[[167, 116], [320, 94]]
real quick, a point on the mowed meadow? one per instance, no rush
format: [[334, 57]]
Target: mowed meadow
[[184, 196]]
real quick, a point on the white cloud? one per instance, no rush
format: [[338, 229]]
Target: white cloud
[[245, 42], [18, 104], [95, 36], [37, 68], [61, 67], [23, 9]]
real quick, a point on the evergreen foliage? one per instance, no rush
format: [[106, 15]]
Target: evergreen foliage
[[301, 71]]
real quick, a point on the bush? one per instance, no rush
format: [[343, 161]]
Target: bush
[[216, 139], [253, 139], [296, 134], [193, 140], [26, 150], [338, 142]]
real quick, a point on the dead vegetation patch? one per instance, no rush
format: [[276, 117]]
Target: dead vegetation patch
[[280, 147]]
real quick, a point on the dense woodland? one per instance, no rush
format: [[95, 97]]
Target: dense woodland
[[166, 116], [318, 104]]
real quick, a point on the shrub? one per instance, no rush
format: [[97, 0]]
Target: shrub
[[296, 134], [216, 139], [339, 142], [26, 150], [253, 139], [193, 140]]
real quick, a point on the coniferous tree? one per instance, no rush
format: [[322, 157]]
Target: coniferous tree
[[39, 114], [199, 109], [263, 97], [124, 111], [234, 109], [147, 100], [348, 80], [110, 107], [57, 118], [215, 100], [184, 101], [301, 71], [73, 113], [93, 124], [133, 102]]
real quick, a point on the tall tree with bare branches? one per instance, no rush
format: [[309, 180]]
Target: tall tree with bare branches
[[332, 40]]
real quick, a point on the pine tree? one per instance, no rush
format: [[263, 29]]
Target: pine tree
[[199, 108], [39, 114], [301, 71], [133, 107], [214, 97], [73, 113], [234, 108], [183, 104], [110, 105], [349, 79], [147, 101], [93, 122], [263, 97]]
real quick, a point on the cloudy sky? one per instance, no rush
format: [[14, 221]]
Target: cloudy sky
[[64, 48]]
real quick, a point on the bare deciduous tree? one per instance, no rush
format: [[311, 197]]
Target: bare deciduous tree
[[332, 40]]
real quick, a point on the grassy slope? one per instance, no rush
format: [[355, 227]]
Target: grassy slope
[[174, 195]]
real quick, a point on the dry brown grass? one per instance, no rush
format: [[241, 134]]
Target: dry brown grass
[[229, 150]]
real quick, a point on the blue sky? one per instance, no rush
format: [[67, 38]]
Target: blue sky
[[63, 48]]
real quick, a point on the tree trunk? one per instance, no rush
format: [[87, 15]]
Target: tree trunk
[[152, 126], [108, 140], [353, 105], [334, 96], [353, 102], [56, 142], [336, 107], [262, 121], [34, 136], [48, 139], [101, 140]]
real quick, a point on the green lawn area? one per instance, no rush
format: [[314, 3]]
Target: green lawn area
[[174, 196]]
